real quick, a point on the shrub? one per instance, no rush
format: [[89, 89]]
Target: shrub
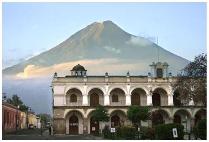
[[201, 129], [106, 132], [126, 132], [164, 131], [147, 133]]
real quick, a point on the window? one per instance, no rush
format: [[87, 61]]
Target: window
[[159, 73], [73, 98], [114, 98]]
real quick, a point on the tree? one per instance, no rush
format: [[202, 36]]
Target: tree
[[100, 114], [16, 101], [191, 83], [136, 114]]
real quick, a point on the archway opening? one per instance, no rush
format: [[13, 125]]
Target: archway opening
[[176, 99], [183, 117], [73, 125], [159, 117], [138, 97], [115, 121], [96, 97], [159, 97], [74, 97], [117, 97], [201, 114]]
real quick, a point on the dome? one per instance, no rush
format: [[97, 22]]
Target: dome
[[78, 68]]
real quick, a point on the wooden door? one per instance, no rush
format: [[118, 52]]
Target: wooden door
[[94, 99], [73, 125], [115, 121], [135, 99], [156, 99]]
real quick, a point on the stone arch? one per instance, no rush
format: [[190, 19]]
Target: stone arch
[[161, 87], [185, 118], [89, 88], [199, 115], [72, 126], [73, 87], [159, 97], [115, 87], [140, 87], [117, 118], [71, 110], [138, 97], [77, 97], [96, 97], [176, 99], [160, 116], [121, 97]]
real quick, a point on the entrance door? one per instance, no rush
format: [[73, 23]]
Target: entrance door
[[156, 99], [135, 99], [157, 118], [73, 125], [94, 126], [94, 99], [115, 121]]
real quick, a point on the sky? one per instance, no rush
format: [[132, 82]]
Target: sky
[[31, 28]]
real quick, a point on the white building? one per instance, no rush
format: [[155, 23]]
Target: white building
[[75, 97]]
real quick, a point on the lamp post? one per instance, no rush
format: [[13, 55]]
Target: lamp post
[[17, 122]]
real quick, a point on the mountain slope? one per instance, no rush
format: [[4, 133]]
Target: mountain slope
[[100, 41]]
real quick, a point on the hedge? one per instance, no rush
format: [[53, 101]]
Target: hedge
[[200, 130], [165, 131]]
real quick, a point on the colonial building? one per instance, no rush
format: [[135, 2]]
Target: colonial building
[[11, 117], [76, 96]]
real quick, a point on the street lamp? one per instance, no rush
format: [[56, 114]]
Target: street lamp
[[17, 117]]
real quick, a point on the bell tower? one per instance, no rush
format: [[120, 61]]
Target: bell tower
[[159, 69]]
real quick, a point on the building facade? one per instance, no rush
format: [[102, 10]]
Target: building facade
[[11, 118], [76, 96]]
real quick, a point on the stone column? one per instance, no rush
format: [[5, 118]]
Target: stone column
[[85, 100], [106, 100], [85, 126], [64, 99], [170, 100], [149, 100], [128, 99]]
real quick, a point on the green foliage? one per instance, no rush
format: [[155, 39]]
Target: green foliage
[[147, 133], [191, 83], [122, 133], [200, 130], [164, 131], [137, 113], [100, 114], [16, 101], [126, 132]]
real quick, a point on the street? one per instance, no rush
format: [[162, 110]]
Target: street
[[35, 134]]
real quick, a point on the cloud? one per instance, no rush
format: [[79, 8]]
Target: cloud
[[139, 41], [112, 49], [95, 67]]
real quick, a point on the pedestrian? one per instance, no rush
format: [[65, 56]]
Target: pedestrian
[[50, 130]]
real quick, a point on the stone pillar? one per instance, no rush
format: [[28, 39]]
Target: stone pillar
[[106, 100], [149, 100], [64, 99], [128, 99], [85, 100], [170, 100], [85, 126], [192, 123]]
